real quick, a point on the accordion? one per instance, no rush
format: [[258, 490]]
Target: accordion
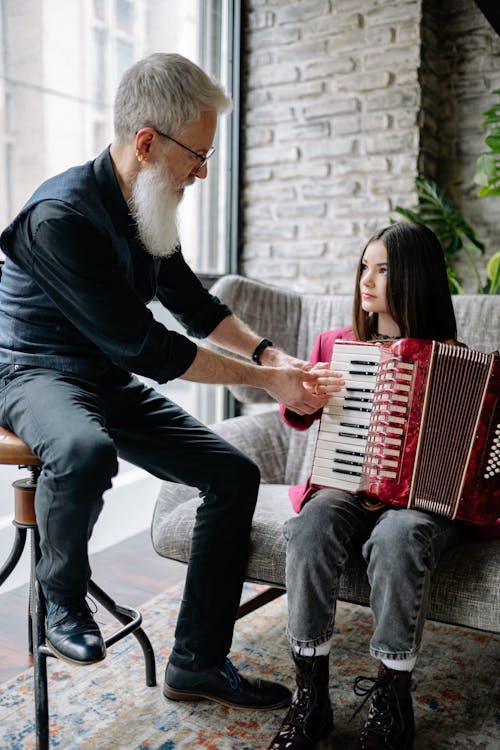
[[416, 426]]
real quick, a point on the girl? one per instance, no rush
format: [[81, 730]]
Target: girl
[[401, 291]]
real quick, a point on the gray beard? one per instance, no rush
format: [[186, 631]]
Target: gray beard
[[154, 208]]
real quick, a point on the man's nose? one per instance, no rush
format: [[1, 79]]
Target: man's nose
[[202, 173]]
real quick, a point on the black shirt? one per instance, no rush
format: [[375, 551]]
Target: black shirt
[[73, 295]]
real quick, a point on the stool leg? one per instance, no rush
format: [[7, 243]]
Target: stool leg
[[15, 554], [125, 615], [37, 607]]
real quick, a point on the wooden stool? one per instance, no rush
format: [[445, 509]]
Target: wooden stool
[[14, 451]]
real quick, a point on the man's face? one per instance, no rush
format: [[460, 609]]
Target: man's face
[[182, 165], [160, 184]]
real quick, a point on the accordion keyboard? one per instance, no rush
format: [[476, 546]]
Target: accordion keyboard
[[343, 431]]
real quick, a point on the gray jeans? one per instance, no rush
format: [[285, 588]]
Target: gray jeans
[[401, 548]]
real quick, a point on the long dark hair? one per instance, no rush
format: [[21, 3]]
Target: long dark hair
[[418, 296]]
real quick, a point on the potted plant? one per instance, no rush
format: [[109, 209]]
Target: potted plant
[[488, 174], [435, 210], [456, 235]]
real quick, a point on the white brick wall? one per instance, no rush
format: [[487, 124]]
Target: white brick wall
[[341, 108]]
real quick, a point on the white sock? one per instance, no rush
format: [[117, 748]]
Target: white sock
[[400, 665], [322, 650]]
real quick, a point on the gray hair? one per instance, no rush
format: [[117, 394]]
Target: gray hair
[[164, 91]]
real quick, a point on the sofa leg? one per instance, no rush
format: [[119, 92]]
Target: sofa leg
[[258, 601]]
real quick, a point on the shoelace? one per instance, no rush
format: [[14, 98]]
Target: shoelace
[[301, 707], [88, 608], [298, 711], [381, 689], [233, 677], [91, 604]]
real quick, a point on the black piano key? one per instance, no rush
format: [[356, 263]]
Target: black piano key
[[357, 408], [347, 471], [346, 462], [352, 435], [345, 452], [354, 426]]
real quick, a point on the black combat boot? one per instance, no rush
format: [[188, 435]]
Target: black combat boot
[[310, 717], [390, 724]]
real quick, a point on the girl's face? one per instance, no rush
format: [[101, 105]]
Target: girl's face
[[373, 287], [373, 279]]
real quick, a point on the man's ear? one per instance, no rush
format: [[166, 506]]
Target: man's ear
[[143, 141]]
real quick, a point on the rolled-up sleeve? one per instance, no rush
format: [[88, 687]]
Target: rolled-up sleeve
[[181, 292]]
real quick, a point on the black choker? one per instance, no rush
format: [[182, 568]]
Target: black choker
[[383, 336]]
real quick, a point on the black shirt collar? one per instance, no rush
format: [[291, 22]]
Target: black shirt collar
[[111, 194]]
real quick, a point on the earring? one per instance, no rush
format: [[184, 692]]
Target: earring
[[138, 154]]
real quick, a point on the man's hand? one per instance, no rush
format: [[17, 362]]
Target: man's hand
[[304, 389], [274, 357], [298, 389]]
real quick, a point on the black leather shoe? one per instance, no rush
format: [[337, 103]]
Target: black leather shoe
[[72, 633], [224, 685]]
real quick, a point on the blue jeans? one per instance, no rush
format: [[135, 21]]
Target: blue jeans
[[401, 548], [78, 427]]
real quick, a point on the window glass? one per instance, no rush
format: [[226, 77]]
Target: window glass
[[125, 15], [99, 71], [99, 9]]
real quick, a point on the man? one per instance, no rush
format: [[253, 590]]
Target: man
[[83, 257]]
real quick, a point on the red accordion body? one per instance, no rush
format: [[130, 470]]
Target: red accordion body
[[417, 426]]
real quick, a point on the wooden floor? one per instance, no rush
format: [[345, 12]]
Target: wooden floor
[[131, 572]]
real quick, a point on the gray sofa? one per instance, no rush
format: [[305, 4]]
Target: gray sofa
[[466, 586]]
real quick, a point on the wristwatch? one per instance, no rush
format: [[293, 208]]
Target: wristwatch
[[259, 349]]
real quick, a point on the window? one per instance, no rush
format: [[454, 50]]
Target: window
[[60, 63], [125, 15]]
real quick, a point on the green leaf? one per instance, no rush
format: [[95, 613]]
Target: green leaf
[[486, 166], [435, 210], [493, 267], [454, 285], [493, 141], [489, 191]]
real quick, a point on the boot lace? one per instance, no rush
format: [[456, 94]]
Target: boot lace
[[384, 699], [233, 677], [296, 719]]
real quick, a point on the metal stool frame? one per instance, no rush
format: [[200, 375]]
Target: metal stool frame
[[131, 619]]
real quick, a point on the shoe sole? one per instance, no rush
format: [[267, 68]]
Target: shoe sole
[[185, 695], [65, 658]]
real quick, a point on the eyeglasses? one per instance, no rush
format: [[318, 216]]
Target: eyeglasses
[[203, 159]]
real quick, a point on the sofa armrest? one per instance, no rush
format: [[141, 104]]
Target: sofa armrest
[[264, 438]]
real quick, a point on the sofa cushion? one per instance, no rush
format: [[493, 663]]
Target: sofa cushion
[[464, 590]]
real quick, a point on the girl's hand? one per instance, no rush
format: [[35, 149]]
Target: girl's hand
[[327, 383]]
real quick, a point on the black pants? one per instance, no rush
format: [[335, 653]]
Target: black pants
[[77, 428]]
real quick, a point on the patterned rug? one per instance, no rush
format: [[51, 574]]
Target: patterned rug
[[109, 707]]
